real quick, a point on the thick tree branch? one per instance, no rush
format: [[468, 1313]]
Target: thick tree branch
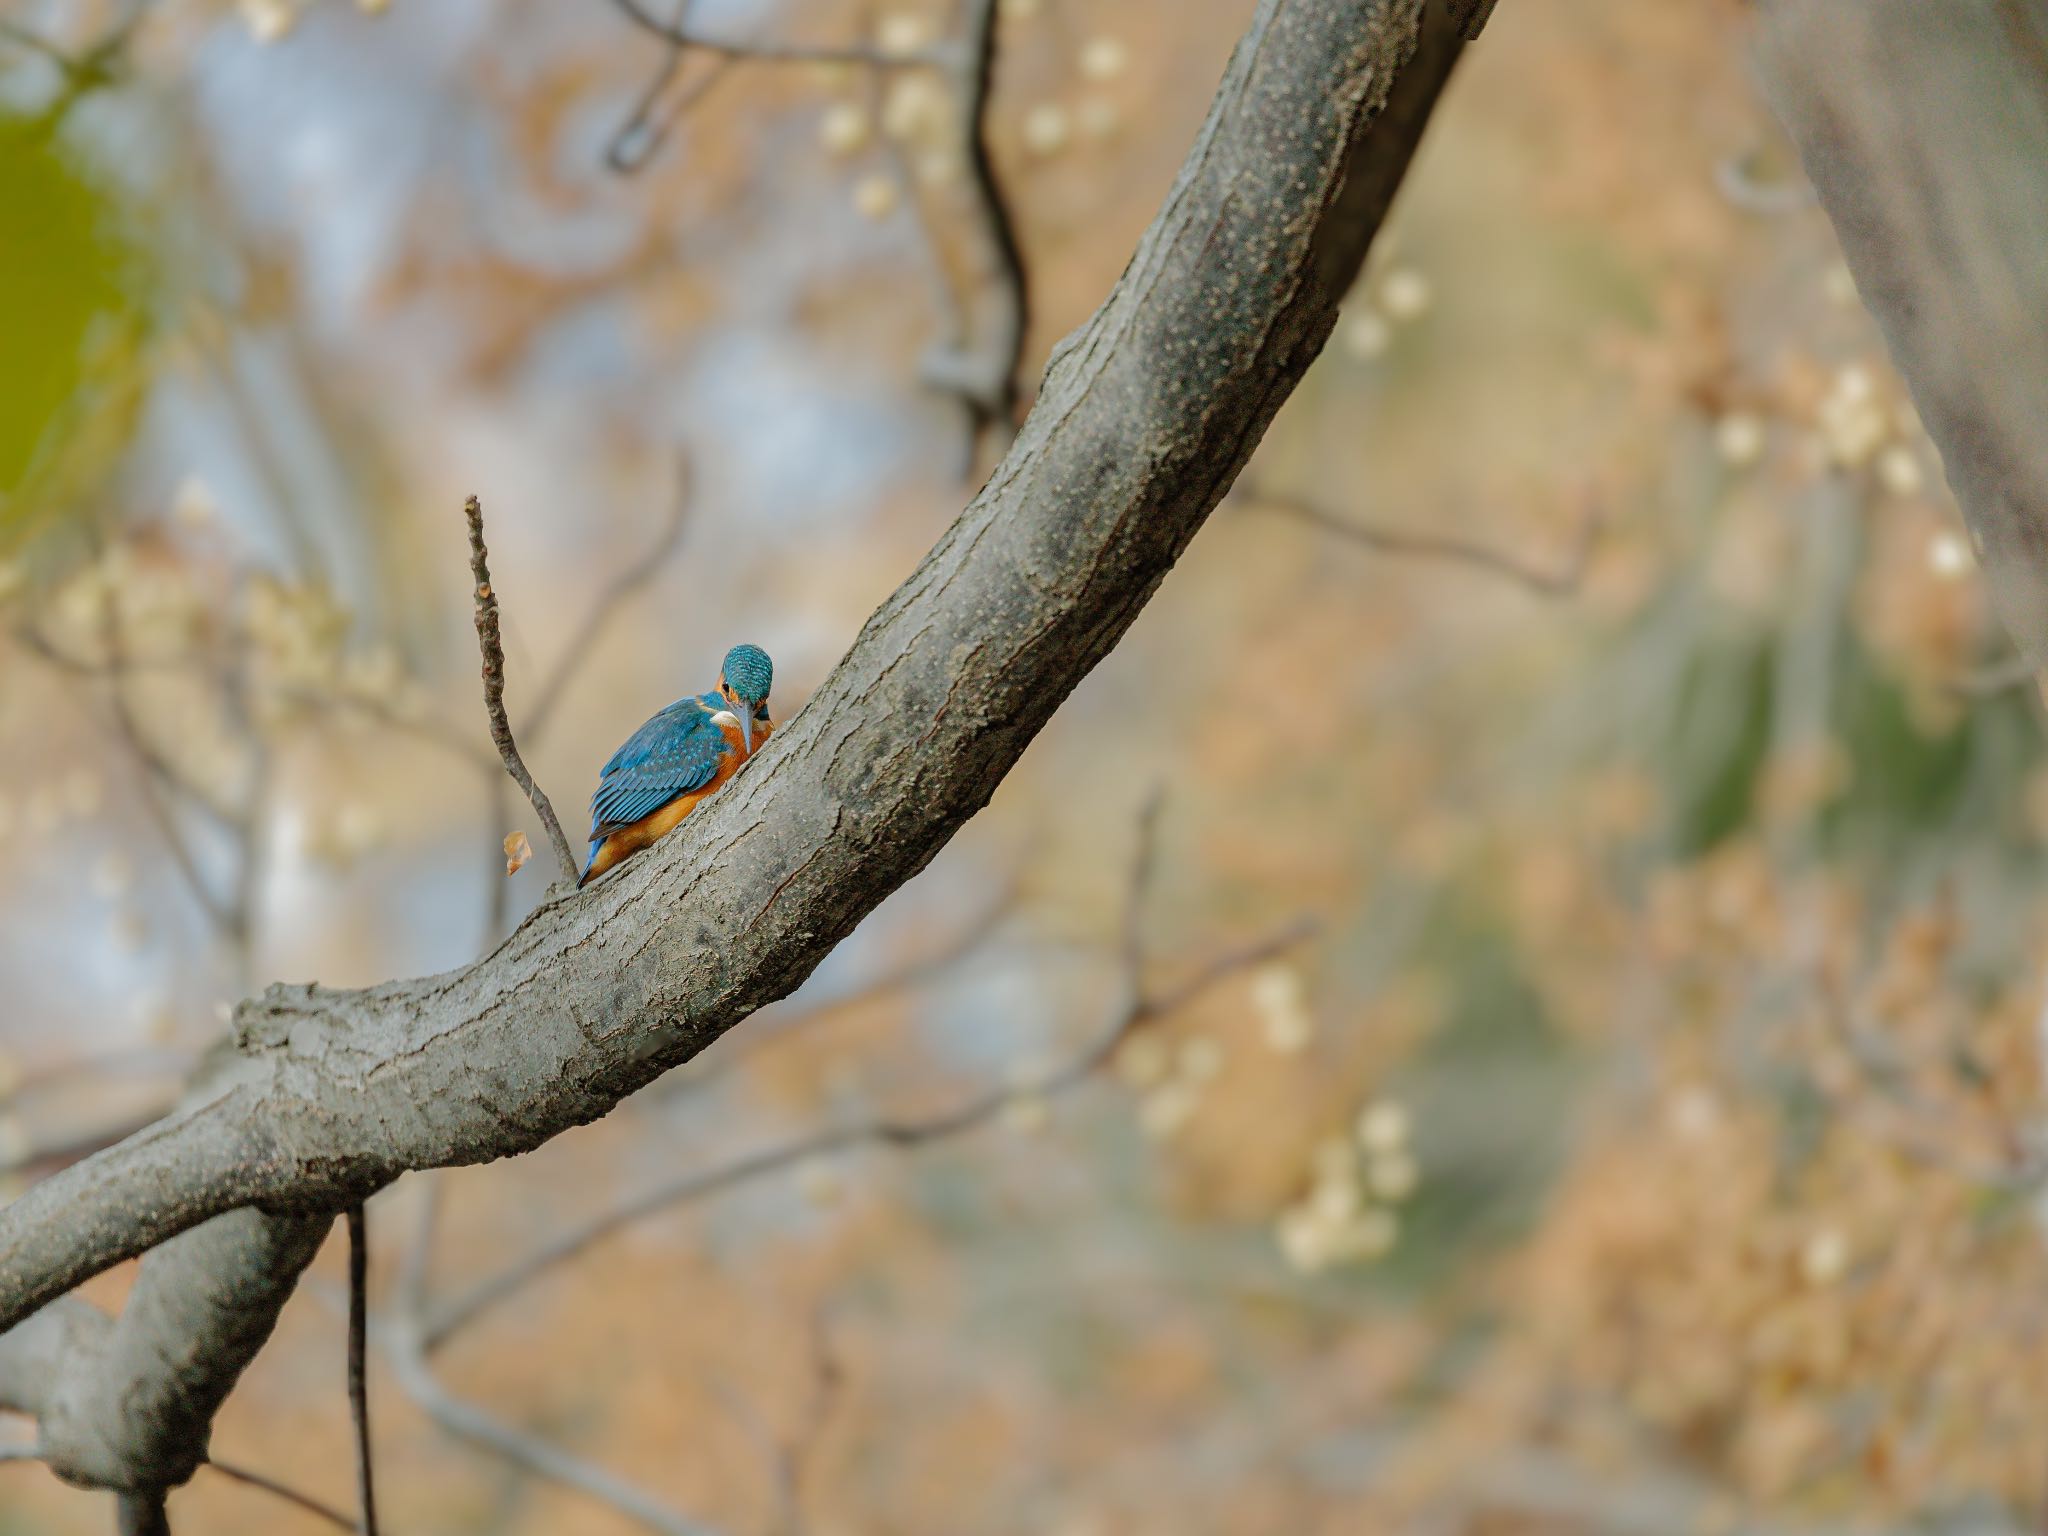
[[290, 1495], [1146, 415], [125, 1402]]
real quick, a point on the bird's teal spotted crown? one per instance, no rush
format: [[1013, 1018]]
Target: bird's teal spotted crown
[[749, 673]]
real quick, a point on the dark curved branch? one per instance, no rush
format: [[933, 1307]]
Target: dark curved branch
[[1146, 415], [125, 1403]]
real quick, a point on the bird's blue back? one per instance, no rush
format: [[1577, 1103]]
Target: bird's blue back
[[673, 753]]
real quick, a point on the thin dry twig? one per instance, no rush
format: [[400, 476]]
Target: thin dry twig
[[605, 606], [493, 647], [1556, 581], [358, 1375], [1141, 1005], [272, 1486], [234, 1473]]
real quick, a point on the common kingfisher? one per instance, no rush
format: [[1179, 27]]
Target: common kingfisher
[[679, 758]]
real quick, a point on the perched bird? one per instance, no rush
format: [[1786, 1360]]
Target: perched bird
[[677, 759]]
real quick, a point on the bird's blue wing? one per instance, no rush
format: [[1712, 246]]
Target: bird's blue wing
[[673, 753]]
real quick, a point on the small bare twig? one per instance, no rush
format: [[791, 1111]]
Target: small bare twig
[[1140, 1006], [229, 1470], [358, 1376], [493, 647], [273, 1487], [1558, 581]]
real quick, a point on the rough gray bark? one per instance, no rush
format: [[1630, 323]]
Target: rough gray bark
[[126, 1403], [1924, 128], [1146, 415]]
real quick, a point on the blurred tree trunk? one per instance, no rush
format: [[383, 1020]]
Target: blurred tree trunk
[[1924, 128]]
